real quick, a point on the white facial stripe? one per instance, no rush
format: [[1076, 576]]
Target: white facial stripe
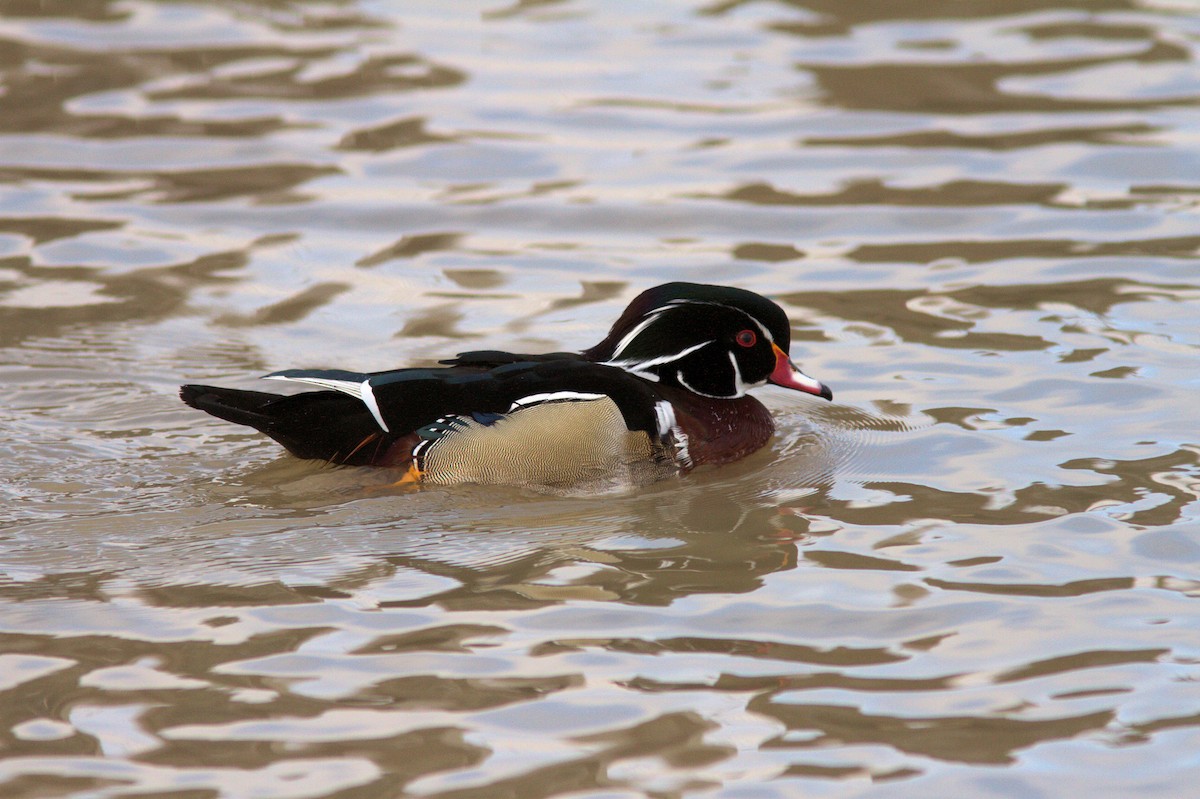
[[638, 366], [748, 315], [758, 324], [553, 396], [653, 317], [368, 398], [763, 328], [739, 385], [682, 382], [637, 330], [754, 319]]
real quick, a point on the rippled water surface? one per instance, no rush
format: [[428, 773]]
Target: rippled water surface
[[973, 575]]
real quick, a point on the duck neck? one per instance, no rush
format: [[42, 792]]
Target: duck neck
[[720, 430]]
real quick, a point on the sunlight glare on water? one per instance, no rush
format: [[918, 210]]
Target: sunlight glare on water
[[974, 574]]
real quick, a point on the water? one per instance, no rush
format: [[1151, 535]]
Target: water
[[974, 574]]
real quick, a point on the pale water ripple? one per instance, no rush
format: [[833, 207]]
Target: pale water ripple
[[975, 574]]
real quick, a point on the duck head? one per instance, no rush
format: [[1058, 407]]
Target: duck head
[[715, 341]]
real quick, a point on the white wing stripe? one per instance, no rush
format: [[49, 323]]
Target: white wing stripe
[[368, 398], [345, 386], [361, 391]]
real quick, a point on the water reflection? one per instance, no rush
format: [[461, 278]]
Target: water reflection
[[974, 575]]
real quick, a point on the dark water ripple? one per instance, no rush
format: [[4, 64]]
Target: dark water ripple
[[975, 574]]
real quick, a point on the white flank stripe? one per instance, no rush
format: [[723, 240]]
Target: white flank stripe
[[554, 396], [368, 398]]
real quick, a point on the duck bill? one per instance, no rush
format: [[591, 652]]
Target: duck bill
[[787, 375]]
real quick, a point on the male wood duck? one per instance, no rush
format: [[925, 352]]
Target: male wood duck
[[664, 392]]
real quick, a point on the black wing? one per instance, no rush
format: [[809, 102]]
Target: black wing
[[490, 358], [326, 425], [404, 400], [364, 417], [410, 400]]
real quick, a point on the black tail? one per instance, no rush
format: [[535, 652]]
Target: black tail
[[327, 425]]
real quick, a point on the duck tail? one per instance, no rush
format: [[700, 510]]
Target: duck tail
[[325, 425]]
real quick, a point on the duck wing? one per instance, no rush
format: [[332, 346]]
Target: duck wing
[[378, 418]]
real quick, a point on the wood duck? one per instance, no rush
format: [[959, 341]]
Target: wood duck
[[664, 392]]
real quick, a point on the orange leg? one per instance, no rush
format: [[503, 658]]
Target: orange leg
[[411, 477]]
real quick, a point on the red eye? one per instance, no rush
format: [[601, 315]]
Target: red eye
[[747, 338]]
